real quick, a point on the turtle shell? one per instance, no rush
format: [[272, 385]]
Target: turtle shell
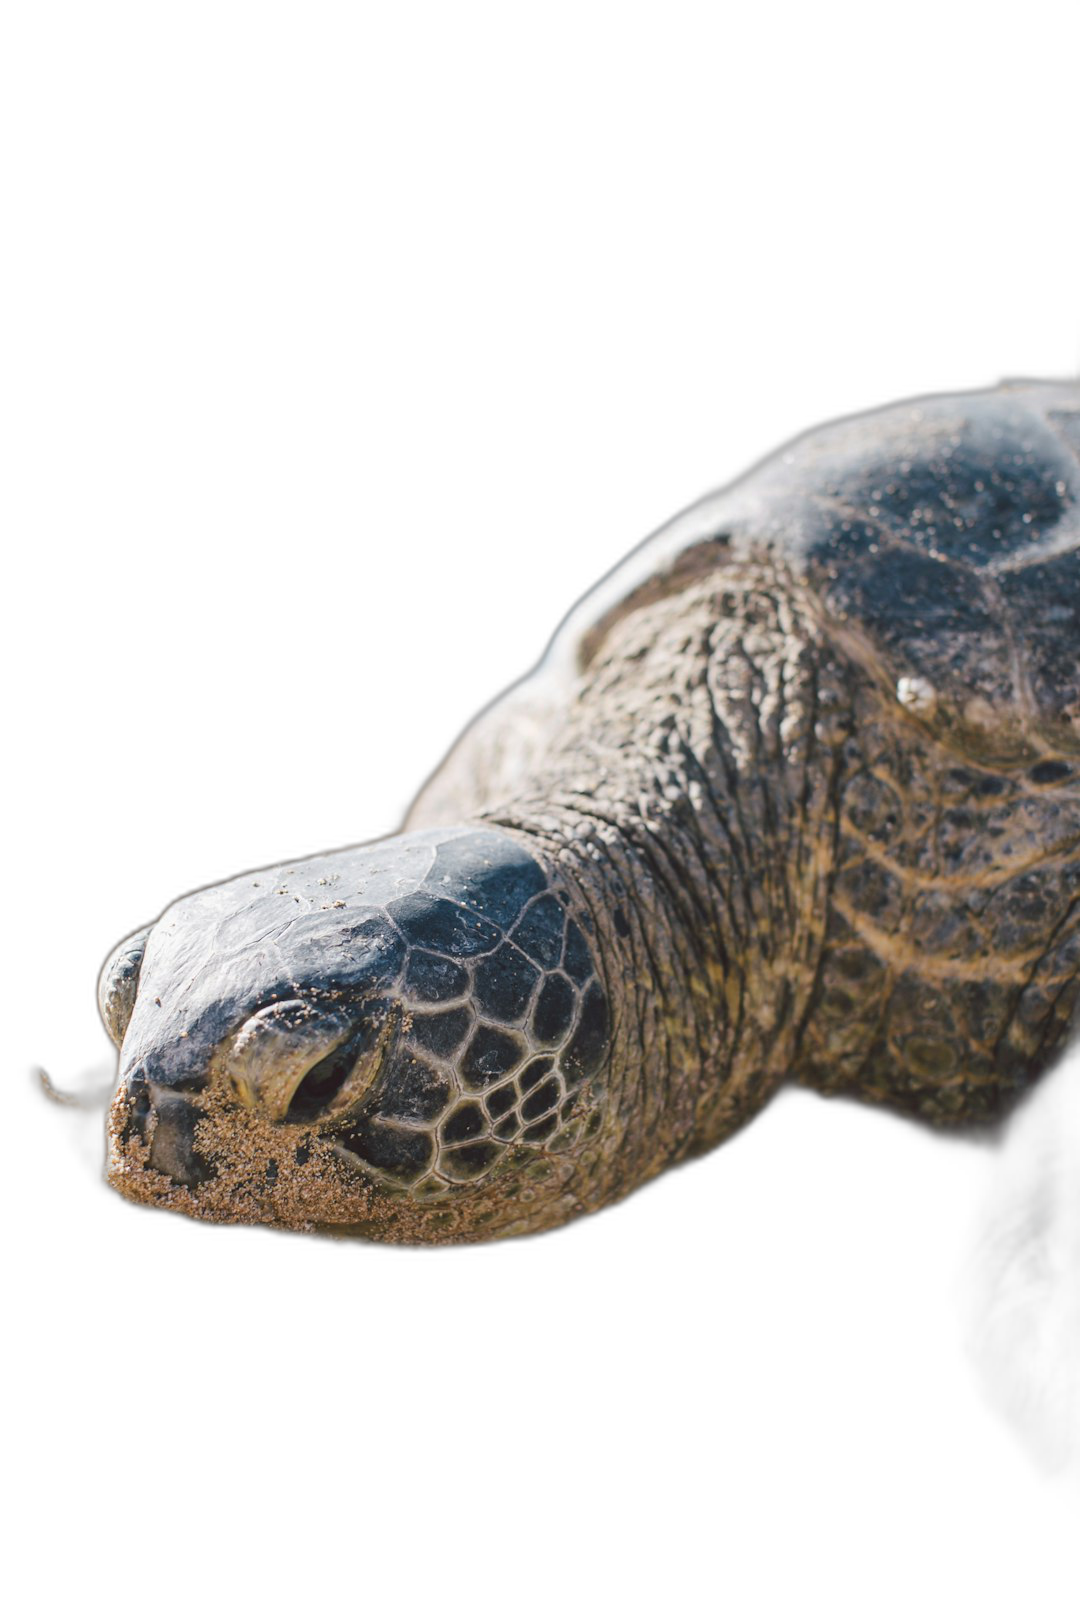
[[942, 538]]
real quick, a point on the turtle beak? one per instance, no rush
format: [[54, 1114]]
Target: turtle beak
[[172, 1146], [144, 1115]]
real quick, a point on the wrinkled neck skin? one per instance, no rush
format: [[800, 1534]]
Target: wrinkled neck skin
[[796, 876], [691, 802]]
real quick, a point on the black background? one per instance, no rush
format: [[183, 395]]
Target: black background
[[306, 494]]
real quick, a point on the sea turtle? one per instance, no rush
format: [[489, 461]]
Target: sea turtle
[[794, 794]]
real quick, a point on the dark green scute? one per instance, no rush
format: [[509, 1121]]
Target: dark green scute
[[503, 984], [434, 978], [352, 956], [542, 1100], [404, 1154], [554, 1011], [488, 872], [926, 614], [489, 1055], [468, 1162], [540, 932], [441, 1033], [410, 1090], [585, 1051], [501, 1100], [577, 960], [441, 925], [465, 1122]]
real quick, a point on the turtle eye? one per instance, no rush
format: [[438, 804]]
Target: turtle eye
[[119, 982], [321, 1084]]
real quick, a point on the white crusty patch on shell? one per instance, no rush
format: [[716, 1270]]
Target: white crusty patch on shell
[[917, 694]]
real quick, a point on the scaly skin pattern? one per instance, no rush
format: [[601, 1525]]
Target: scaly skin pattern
[[424, 1013], [795, 795]]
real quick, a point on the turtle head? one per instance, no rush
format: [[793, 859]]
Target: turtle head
[[380, 1040]]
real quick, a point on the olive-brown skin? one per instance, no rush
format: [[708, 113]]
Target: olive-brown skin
[[804, 775]]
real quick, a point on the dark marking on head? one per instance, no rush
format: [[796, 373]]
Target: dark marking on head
[[355, 956], [531, 1076], [488, 872], [577, 959], [501, 1100], [466, 1163], [508, 1128], [504, 982], [442, 926], [554, 1011], [434, 978], [466, 1122], [541, 1101], [402, 1154], [490, 1053], [585, 1050], [540, 932], [442, 1033], [410, 1089]]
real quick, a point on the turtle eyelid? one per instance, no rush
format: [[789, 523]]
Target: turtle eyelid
[[118, 984]]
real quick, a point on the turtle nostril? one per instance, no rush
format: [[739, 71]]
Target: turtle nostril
[[322, 1083]]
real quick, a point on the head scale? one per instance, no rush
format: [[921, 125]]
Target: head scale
[[363, 1039]]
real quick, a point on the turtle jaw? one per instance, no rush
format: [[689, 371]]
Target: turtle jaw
[[153, 1128], [209, 1156], [252, 1138]]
